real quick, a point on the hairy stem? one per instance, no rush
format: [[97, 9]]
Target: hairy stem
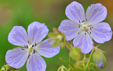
[[68, 45], [89, 60], [84, 61]]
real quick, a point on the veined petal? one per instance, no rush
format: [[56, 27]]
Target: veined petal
[[70, 29], [45, 48], [96, 13], [37, 32], [100, 64], [84, 42], [18, 36], [17, 57], [36, 63], [101, 32], [75, 12]]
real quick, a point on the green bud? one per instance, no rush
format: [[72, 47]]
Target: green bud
[[62, 68], [56, 43], [58, 37], [75, 53], [8, 68], [99, 59], [53, 35]]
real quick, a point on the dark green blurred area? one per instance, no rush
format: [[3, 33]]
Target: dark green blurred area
[[51, 12]]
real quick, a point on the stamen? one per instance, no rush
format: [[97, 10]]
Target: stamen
[[27, 46], [91, 28], [32, 45], [79, 21], [79, 26], [78, 32], [23, 49], [90, 32], [34, 51], [35, 44], [86, 19], [28, 57], [85, 33], [83, 21]]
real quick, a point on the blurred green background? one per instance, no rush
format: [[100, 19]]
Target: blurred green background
[[50, 12]]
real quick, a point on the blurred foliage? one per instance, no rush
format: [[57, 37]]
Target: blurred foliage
[[50, 12]]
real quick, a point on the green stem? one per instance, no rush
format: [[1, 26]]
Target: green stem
[[68, 45], [84, 60], [89, 59]]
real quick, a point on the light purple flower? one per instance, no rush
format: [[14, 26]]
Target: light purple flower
[[31, 47], [99, 64], [82, 28]]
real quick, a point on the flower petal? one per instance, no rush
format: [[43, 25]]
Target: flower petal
[[101, 32], [99, 64], [17, 57], [84, 42], [36, 63], [96, 13], [75, 12], [37, 32], [70, 29], [45, 48], [18, 36]]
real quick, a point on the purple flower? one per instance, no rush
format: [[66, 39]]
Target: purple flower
[[82, 28], [30, 48], [99, 64]]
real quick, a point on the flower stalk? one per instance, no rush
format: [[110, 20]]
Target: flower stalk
[[89, 59]]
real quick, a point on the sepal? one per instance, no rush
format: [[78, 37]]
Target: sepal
[[8, 68], [62, 68], [75, 53]]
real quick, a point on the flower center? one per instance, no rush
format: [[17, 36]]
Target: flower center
[[85, 27]]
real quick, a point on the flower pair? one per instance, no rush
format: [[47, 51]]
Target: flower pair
[[80, 28]]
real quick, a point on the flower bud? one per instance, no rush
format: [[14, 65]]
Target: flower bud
[[99, 59], [8, 68], [58, 37], [62, 68], [75, 53]]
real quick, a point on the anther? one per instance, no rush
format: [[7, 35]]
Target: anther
[[79, 26], [83, 21], [35, 44], [85, 33], [90, 28], [28, 57], [79, 21], [23, 49], [32, 45], [27, 46], [78, 32], [86, 19], [33, 51], [90, 32]]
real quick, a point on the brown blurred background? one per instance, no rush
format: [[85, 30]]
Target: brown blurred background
[[50, 12]]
